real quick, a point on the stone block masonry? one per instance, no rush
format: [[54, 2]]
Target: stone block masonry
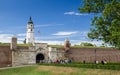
[[5, 56]]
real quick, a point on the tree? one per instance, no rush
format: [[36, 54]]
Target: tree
[[24, 41], [84, 44], [106, 26]]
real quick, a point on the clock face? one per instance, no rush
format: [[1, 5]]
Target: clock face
[[30, 26]]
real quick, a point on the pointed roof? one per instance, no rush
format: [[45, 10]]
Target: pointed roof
[[30, 21]]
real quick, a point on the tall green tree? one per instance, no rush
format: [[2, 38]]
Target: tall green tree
[[86, 44], [106, 26], [24, 41]]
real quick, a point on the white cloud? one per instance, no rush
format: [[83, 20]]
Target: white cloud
[[83, 33], [73, 42], [97, 43], [50, 37], [62, 33], [53, 42], [70, 13], [6, 38], [48, 25], [20, 40], [6, 35], [74, 13], [78, 42], [22, 34]]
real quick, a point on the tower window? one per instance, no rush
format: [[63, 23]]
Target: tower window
[[31, 30]]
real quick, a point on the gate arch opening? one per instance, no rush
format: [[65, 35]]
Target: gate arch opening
[[39, 58]]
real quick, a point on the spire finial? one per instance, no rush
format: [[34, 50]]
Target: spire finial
[[30, 18]]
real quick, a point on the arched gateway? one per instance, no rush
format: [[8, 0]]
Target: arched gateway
[[39, 58]]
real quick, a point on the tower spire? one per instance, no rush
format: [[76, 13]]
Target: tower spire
[[30, 21], [30, 31]]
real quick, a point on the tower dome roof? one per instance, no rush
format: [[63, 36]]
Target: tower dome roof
[[30, 21]]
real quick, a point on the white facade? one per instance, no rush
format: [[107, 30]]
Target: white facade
[[55, 54], [30, 32]]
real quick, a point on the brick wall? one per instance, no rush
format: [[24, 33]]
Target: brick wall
[[5, 56], [92, 54]]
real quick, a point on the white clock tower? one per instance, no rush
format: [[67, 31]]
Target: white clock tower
[[30, 32]]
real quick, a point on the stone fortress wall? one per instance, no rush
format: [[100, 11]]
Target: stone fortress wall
[[5, 56], [21, 55], [94, 54], [24, 56], [27, 55]]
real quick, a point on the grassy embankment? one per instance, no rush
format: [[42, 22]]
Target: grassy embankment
[[56, 46], [63, 69], [8, 44], [77, 46], [4, 44], [109, 66]]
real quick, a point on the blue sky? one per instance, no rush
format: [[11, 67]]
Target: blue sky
[[55, 19]]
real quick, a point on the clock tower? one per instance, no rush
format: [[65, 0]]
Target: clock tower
[[30, 32]]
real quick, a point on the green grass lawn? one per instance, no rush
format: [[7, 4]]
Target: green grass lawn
[[108, 66], [4, 44], [77, 46], [8, 44], [56, 70], [24, 45]]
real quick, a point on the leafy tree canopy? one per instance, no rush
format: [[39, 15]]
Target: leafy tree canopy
[[24, 41], [105, 27], [84, 44]]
